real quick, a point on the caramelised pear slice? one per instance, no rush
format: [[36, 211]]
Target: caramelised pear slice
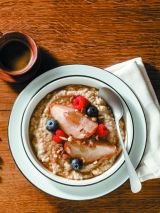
[[87, 153], [73, 122]]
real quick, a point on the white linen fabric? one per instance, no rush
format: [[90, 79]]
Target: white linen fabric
[[134, 74]]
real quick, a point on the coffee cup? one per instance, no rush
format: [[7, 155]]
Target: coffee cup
[[18, 57]]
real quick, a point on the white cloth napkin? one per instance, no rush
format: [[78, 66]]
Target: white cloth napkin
[[133, 73]]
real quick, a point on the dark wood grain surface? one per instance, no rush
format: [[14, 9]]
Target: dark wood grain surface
[[93, 32]]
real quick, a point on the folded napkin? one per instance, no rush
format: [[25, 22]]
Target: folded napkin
[[134, 74]]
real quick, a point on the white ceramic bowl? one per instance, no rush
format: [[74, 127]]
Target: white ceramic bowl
[[58, 83]]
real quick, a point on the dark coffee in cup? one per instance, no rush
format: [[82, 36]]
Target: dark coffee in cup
[[18, 57], [15, 55]]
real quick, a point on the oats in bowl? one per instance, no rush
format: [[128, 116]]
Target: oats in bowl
[[73, 133]]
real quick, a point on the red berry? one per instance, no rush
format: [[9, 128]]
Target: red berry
[[80, 102], [57, 139], [57, 136], [102, 131]]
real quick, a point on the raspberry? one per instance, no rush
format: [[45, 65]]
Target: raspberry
[[80, 102], [57, 136], [102, 131]]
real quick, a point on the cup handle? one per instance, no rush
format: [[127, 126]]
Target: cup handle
[[6, 77]]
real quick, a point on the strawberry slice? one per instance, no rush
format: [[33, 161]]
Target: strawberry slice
[[89, 154], [73, 122]]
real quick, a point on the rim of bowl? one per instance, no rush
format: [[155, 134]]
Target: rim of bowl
[[34, 101]]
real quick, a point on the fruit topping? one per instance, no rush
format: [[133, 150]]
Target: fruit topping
[[52, 125], [59, 136], [92, 111], [72, 122], [102, 131], [80, 103], [76, 164], [77, 149]]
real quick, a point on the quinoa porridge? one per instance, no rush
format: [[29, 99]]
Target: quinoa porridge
[[73, 133]]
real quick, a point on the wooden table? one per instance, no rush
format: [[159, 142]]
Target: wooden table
[[94, 32]]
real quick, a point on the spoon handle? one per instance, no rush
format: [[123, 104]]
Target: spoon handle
[[133, 177]]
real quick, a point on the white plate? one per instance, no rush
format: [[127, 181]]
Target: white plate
[[75, 192]]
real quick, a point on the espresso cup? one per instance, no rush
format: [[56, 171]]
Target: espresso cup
[[18, 57]]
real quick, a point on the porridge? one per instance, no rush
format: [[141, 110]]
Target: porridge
[[73, 133]]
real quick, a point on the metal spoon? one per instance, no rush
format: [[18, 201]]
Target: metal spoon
[[115, 103]]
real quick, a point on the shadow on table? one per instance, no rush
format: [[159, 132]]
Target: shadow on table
[[47, 62], [1, 163], [101, 203], [154, 76]]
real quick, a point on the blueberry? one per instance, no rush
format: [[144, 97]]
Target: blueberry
[[52, 125], [76, 164], [92, 111]]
